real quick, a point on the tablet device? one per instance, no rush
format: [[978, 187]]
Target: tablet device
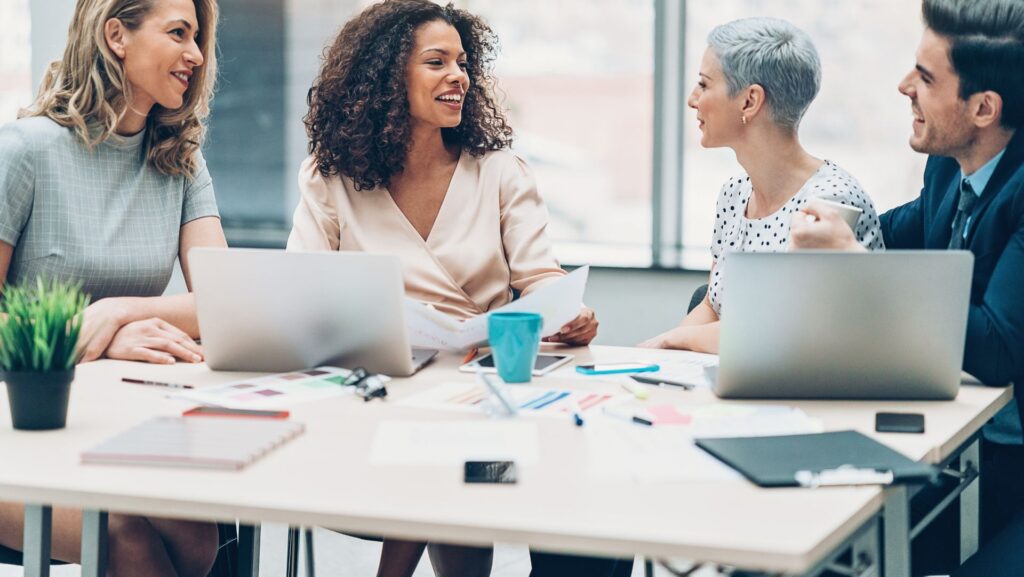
[[542, 365]]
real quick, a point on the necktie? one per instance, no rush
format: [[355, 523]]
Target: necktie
[[963, 211]]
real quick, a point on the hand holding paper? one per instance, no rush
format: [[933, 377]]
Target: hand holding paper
[[558, 301]]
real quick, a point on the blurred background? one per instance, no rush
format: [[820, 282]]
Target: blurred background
[[596, 90]]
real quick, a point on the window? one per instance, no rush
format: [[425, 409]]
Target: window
[[15, 52], [578, 81]]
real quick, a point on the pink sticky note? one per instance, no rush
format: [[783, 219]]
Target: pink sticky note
[[668, 415]]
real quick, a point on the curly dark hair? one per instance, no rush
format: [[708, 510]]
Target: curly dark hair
[[358, 120]]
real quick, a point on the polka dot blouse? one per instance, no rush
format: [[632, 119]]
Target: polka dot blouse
[[734, 232]]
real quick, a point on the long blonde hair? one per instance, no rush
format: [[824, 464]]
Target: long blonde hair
[[87, 89]]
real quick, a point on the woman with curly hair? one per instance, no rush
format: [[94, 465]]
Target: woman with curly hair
[[102, 182], [409, 156]]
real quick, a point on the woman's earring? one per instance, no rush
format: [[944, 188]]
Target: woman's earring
[[744, 119]]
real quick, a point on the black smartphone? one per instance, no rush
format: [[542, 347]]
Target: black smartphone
[[490, 472], [899, 422]]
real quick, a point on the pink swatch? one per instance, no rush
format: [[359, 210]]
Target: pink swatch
[[668, 415]]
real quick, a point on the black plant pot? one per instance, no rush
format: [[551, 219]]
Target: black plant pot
[[39, 401]]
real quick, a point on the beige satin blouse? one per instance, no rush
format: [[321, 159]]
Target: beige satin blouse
[[489, 236]]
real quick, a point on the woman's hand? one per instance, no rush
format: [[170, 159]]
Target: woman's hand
[[658, 342], [100, 322], [153, 341], [579, 331]]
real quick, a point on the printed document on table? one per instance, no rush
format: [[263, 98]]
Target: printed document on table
[[558, 301], [454, 442]]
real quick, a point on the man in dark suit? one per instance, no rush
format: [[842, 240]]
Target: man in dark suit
[[967, 99]]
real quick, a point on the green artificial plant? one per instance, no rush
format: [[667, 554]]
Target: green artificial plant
[[39, 326]]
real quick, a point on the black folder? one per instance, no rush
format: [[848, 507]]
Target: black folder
[[821, 459]]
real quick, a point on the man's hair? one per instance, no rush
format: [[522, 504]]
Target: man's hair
[[986, 48], [777, 56]]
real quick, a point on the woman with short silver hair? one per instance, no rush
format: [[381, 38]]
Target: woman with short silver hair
[[757, 79]]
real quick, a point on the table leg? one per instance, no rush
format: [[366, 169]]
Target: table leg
[[248, 550], [310, 565], [896, 533], [970, 502], [94, 543], [37, 535], [292, 569]]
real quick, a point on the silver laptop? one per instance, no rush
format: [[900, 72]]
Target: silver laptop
[[276, 311], [826, 324]]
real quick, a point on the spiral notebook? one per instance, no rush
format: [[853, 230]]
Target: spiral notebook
[[207, 443]]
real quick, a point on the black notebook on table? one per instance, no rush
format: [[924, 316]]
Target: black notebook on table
[[820, 459]]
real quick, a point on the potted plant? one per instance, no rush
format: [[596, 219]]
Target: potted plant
[[39, 328]]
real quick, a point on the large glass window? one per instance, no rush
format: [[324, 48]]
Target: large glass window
[[15, 58], [578, 82]]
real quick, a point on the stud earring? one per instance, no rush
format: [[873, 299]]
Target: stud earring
[[744, 119]]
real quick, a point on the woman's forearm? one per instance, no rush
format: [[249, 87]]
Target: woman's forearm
[[178, 310], [697, 338]]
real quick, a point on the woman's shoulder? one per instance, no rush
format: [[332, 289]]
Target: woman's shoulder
[[35, 133], [500, 160], [836, 183]]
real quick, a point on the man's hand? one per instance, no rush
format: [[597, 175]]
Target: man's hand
[[821, 227], [579, 331]]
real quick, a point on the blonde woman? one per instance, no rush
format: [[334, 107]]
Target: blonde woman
[[102, 182]]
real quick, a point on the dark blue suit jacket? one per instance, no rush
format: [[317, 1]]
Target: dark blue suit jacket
[[994, 350]]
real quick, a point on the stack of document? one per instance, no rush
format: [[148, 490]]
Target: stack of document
[[204, 443], [558, 302]]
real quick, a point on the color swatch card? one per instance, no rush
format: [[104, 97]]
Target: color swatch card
[[208, 443], [542, 400], [278, 391]]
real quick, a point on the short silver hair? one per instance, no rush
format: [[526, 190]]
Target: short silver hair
[[774, 54]]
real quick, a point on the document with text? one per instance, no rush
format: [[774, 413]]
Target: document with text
[[558, 301]]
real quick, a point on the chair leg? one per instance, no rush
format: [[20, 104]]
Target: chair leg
[[310, 565], [227, 554], [292, 569]]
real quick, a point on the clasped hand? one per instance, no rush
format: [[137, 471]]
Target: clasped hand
[[105, 332]]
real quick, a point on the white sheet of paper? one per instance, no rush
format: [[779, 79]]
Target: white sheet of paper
[[558, 302], [621, 451], [453, 443]]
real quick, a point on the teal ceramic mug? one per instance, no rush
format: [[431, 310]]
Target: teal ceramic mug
[[514, 338]]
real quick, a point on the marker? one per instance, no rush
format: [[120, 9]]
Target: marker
[[660, 382], [155, 383], [577, 413], [628, 417], [470, 355]]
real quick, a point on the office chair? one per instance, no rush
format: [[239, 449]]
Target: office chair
[[224, 566], [698, 295]]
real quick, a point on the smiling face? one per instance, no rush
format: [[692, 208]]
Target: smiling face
[[436, 76], [720, 118], [160, 55], [941, 121]]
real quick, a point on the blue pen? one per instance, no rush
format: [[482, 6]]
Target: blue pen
[[576, 412]]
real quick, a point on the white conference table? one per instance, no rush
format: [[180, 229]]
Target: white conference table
[[325, 477]]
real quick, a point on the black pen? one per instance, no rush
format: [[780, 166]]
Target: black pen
[[657, 381], [156, 383]]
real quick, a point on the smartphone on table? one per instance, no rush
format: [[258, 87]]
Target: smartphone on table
[[542, 365]]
